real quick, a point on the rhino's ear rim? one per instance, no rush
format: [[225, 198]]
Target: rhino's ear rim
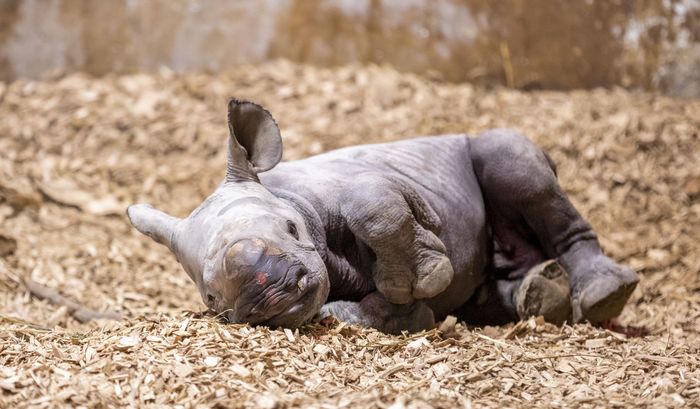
[[153, 223], [255, 144]]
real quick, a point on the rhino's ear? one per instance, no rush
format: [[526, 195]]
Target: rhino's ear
[[255, 144], [153, 223]]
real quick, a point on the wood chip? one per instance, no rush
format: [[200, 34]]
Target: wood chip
[[288, 333], [240, 370], [211, 361], [596, 343], [127, 343], [183, 370]]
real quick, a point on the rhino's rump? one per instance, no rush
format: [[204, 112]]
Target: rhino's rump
[[439, 168]]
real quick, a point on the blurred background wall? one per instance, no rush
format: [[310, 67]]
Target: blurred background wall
[[560, 44]]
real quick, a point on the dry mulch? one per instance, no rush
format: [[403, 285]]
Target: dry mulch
[[75, 151]]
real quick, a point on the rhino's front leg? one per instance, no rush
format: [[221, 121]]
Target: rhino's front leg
[[401, 229], [374, 311]]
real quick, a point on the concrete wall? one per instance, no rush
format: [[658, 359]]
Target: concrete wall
[[652, 44]]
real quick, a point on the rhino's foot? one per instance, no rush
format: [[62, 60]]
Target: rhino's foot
[[403, 283], [374, 311], [600, 287], [544, 291], [604, 293], [433, 276]]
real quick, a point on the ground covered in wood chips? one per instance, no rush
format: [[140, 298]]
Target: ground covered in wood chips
[[75, 151]]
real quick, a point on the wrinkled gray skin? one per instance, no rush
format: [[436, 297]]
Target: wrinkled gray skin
[[391, 236]]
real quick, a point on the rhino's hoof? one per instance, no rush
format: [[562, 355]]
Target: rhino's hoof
[[545, 291], [438, 278], [604, 295], [325, 312]]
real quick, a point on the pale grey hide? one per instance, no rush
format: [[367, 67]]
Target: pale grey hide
[[392, 236]]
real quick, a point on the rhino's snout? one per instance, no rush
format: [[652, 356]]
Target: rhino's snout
[[259, 283], [280, 299]]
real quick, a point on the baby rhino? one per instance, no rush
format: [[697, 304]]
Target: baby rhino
[[391, 236]]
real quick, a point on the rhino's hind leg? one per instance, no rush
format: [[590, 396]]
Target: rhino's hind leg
[[520, 187], [542, 291], [374, 311]]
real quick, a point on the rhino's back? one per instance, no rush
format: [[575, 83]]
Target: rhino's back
[[439, 168]]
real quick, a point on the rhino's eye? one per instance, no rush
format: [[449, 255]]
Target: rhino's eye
[[292, 228]]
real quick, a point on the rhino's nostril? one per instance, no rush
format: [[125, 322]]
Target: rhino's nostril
[[302, 279], [211, 299]]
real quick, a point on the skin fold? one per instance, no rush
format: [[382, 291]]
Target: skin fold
[[391, 236]]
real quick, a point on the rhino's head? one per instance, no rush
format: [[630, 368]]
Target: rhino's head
[[248, 251]]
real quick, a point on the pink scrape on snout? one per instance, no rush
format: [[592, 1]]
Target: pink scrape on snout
[[261, 278]]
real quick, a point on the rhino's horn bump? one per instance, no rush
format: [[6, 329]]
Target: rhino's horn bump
[[153, 223], [255, 144]]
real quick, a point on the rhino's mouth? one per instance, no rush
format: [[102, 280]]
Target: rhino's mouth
[[285, 302], [293, 316]]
